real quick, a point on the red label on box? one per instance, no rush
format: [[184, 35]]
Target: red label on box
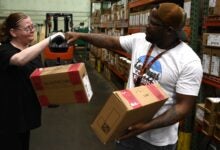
[[132, 100], [155, 91], [36, 80], [74, 74], [43, 100], [80, 96]]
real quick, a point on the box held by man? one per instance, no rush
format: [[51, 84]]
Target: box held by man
[[127, 107]]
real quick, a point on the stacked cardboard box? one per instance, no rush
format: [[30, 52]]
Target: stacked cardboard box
[[214, 7], [212, 108], [211, 53]]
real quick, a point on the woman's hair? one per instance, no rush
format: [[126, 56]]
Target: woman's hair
[[10, 22]]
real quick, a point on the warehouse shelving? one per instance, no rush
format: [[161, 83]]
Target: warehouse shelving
[[211, 80], [211, 21], [140, 3], [214, 23], [119, 74], [135, 5], [211, 24], [104, 27]]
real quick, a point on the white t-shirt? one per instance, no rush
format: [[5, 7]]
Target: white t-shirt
[[178, 70]]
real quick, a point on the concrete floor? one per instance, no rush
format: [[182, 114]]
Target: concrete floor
[[67, 127]]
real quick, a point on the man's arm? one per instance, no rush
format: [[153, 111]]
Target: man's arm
[[99, 40], [184, 106]]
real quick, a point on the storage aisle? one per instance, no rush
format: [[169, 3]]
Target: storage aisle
[[68, 127]]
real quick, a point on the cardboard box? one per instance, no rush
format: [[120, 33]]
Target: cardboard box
[[206, 60], [212, 104], [62, 84], [215, 62], [127, 107], [218, 119], [217, 132], [210, 117], [208, 129], [200, 112], [213, 39], [214, 7]]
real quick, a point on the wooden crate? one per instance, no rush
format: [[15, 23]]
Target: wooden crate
[[212, 104], [217, 132]]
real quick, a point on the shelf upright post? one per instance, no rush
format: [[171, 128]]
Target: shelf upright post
[[194, 43], [195, 24]]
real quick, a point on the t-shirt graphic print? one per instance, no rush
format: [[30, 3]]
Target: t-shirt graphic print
[[150, 76]]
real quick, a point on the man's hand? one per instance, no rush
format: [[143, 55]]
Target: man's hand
[[133, 131], [71, 37], [57, 38]]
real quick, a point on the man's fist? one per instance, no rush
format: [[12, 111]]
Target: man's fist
[[57, 38], [71, 36]]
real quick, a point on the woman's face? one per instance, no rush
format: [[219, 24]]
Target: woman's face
[[24, 32]]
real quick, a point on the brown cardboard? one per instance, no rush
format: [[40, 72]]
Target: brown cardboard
[[206, 59], [127, 107], [215, 62], [207, 129], [200, 112], [212, 104], [62, 84], [210, 117], [217, 132]]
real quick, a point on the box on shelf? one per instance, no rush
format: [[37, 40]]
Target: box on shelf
[[214, 7], [126, 107], [208, 129], [218, 119], [212, 104], [200, 112], [217, 132], [210, 117], [206, 59], [204, 38], [215, 62], [211, 39], [62, 84]]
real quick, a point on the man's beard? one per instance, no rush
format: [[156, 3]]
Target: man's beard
[[154, 40]]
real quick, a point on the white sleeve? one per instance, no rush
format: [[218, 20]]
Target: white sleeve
[[190, 79], [128, 42]]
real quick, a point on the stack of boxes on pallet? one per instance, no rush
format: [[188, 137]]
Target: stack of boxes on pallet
[[211, 54], [139, 18], [105, 60], [114, 19], [211, 40], [208, 117], [214, 7]]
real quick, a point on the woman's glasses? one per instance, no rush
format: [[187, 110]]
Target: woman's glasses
[[27, 29]]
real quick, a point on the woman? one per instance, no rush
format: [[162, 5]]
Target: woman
[[20, 110]]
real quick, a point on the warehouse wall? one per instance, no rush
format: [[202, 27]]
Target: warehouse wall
[[38, 8]]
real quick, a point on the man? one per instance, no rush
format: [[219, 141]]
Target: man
[[158, 56]]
